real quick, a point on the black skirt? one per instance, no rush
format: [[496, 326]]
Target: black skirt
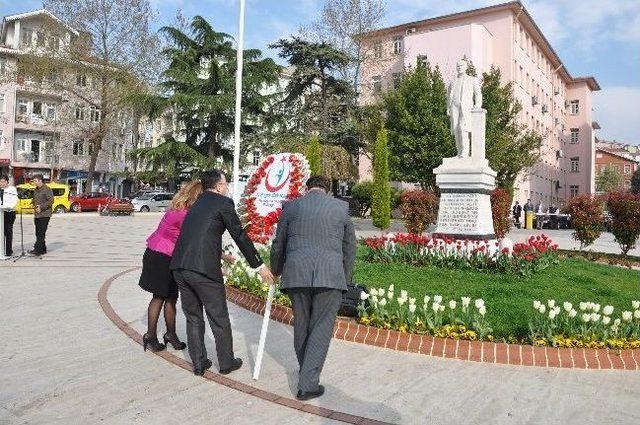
[[156, 276]]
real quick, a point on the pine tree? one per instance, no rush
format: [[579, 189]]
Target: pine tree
[[381, 196], [314, 156]]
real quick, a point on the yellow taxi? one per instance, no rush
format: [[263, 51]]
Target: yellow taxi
[[61, 203]]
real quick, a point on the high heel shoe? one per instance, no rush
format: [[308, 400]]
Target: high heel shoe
[[153, 343], [174, 341]]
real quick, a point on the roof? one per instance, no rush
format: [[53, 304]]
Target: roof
[[523, 17], [624, 156], [39, 12]]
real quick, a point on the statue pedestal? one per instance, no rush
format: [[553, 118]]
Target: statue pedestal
[[465, 201]]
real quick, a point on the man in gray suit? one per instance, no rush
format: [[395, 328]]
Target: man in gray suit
[[314, 251]]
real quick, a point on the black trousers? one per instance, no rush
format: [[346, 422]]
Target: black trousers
[[9, 219], [198, 291], [314, 314], [42, 223]]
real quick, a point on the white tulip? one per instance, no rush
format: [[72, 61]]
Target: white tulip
[[437, 299], [586, 317], [426, 299], [404, 294], [635, 304], [479, 303], [606, 320], [607, 310], [482, 310], [595, 308], [374, 300], [567, 306], [573, 313], [551, 303], [542, 308], [626, 316], [391, 287], [536, 304], [401, 301], [364, 295], [383, 302], [390, 295], [552, 314], [466, 301], [412, 301], [381, 292], [583, 306], [452, 305], [435, 307], [595, 317], [636, 314], [556, 309], [412, 308], [616, 322], [441, 308], [425, 307]]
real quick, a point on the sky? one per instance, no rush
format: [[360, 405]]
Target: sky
[[592, 37]]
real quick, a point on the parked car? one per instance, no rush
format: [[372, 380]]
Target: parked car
[[61, 203], [92, 201], [142, 192], [152, 202], [117, 206]]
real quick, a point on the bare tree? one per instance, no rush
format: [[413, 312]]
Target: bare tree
[[115, 49], [339, 23]]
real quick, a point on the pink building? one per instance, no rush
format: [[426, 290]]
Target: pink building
[[556, 104]]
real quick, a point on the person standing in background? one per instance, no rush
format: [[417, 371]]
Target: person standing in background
[[8, 200], [517, 213], [42, 203]]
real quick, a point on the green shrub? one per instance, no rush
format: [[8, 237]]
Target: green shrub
[[381, 193], [419, 210], [362, 193], [586, 218], [625, 219]]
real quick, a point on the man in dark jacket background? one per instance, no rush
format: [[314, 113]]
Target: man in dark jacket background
[[197, 270], [314, 251], [42, 203]]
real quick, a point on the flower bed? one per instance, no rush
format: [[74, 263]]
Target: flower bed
[[525, 258]]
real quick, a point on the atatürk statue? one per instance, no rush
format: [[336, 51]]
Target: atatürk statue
[[464, 96]]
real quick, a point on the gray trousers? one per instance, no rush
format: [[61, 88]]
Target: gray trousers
[[314, 312], [198, 291]]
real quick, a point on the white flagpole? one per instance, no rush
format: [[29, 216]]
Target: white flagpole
[[263, 331], [236, 140]]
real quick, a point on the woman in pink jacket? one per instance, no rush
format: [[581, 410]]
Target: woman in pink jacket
[[156, 276]]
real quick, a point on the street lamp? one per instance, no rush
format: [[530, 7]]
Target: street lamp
[[236, 140]]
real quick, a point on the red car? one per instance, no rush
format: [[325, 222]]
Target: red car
[[93, 201]]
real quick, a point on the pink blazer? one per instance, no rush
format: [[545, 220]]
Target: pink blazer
[[164, 239]]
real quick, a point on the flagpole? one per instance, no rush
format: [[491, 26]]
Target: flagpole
[[236, 139]]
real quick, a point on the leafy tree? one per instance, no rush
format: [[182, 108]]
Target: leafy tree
[[381, 196], [314, 156], [418, 126], [362, 193], [200, 82], [510, 146], [609, 179], [635, 182]]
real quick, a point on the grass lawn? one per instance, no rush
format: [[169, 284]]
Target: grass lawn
[[509, 298]]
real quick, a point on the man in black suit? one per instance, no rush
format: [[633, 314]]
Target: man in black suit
[[197, 270]]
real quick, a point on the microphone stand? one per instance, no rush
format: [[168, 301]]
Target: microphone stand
[[22, 253]]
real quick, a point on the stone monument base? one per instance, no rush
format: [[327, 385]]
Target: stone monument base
[[465, 201]]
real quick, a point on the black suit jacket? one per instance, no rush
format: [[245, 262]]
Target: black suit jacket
[[199, 246]]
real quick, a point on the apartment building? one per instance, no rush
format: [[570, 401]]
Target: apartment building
[[43, 129], [555, 103], [620, 162]]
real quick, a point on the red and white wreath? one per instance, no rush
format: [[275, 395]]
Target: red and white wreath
[[268, 188]]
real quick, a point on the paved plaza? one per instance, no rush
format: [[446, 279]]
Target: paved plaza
[[63, 361]]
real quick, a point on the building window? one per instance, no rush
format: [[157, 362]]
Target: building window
[[377, 83], [37, 108], [23, 107], [575, 165], [256, 158], [26, 38], [396, 79], [51, 112], [54, 43], [81, 80], [574, 190], [377, 50], [1, 103], [575, 107], [575, 135], [90, 148], [627, 169], [94, 114], [79, 113], [397, 45], [3, 66], [40, 39], [78, 148]]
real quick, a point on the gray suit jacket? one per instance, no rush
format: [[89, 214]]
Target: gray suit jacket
[[315, 244]]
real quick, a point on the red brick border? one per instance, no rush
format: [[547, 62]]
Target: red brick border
[[256, 305], [477, 351]]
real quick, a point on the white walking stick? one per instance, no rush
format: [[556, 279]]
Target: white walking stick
[[263, 332]]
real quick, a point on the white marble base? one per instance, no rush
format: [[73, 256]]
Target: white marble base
[[465, 198]]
